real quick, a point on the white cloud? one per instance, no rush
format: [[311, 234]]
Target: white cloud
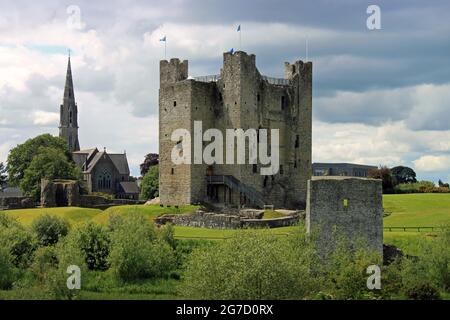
[[44, 118], [432, 163]]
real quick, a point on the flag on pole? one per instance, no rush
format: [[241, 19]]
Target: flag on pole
[[163, 39], [231, 50]]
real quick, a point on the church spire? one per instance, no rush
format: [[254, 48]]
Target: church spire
[[68, 125]]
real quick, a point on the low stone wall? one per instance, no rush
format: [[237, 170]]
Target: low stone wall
[[90, 201], [270, 223], [201, 219], [9, 203]]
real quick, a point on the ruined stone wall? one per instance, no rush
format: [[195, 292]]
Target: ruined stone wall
[[351, 206]]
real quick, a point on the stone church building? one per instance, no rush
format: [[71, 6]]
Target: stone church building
[[239, 97], [103, 172]]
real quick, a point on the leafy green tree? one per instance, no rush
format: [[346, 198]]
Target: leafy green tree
[[151, 160], [150, 184], [20, 157], [2, 175], [403, 174], [383, 173], [49, 163]]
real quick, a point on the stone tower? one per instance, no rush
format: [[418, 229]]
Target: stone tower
[[68, 123], [238, 97]]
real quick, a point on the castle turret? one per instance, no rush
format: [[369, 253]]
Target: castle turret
[[68, 124]]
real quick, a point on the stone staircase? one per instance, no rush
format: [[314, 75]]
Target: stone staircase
[[233, 183]]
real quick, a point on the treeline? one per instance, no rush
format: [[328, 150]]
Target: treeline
[[402, 179]]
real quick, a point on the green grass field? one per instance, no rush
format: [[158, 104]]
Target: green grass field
[[410, 210]]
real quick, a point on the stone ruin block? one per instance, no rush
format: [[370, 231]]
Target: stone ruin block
[[345, 206]]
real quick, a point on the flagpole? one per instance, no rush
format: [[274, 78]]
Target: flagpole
[[165, 49], [306, 49], [240, 40]]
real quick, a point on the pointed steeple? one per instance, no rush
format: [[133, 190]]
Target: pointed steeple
[[68, 89], [68, 125]]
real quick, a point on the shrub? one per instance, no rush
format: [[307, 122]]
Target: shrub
[[17, 240], [150, 184], [137, 252], [67, 254], [345, 269], [423, 291], [252, 265], [94, 242], [7, 270], [420, 187], [45, 260], [50, 229]]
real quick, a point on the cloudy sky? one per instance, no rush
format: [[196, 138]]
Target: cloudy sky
[[381, 97]]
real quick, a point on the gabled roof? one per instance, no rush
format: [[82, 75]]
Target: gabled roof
[[129, 187], [121, 162], [92, 156]]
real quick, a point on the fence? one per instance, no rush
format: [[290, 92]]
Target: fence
[[418, 229]]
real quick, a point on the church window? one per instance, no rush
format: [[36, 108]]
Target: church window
[[174, 103], [255, 168], [70, 116], [172, 171], [282, 102], [297, 141]]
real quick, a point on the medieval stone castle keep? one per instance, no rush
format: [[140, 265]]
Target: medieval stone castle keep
[[240, 97]]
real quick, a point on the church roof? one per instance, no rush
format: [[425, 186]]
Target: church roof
[[129, 187], [121, 162], [88, 159]]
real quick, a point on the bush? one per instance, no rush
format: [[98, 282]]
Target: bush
[[7, 270], [252, 265], [17, 240], [150, 184], [67, 254], [420, 187], [345, 269], [423, 291], [50, 229], [137, 252], [94, 242], [45, 260]]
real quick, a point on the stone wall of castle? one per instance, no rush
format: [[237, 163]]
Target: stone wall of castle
[[345, 206], [241, 98]]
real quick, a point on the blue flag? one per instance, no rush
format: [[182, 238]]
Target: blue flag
[[239, 28], [163, 39], [231, 50]]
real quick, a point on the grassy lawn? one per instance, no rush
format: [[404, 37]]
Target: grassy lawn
[[413, 210], [150, 211], [73, 214]]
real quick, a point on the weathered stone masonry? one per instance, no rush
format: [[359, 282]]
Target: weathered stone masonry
[[240, 97], [351, 206]]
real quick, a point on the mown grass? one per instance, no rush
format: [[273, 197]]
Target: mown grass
[[73, 215], [272, 214], [150, 211], [417, 210]]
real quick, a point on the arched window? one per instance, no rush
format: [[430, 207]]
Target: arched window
[[70, 117], [104, 180]]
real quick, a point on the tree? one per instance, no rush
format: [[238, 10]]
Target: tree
[[49, 163], [403, 174], [151, 160], [383, 173], [20, 157], [442, 184], [150, 184], [2, 175]]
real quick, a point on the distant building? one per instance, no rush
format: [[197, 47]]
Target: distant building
[[341, 169], [103, 172], [8, 192]]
